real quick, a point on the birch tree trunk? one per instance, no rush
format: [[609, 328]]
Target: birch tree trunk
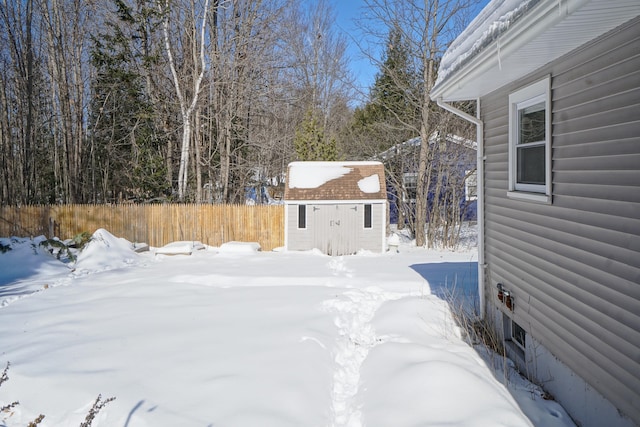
[[187, 107]]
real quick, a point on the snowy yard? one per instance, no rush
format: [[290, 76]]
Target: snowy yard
[[242, 338]]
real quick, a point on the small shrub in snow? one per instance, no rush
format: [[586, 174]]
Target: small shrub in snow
[[66, 250], [59, 249], [3, 378], [81, 239], [37, 421], [483, 332], [477, 331], [7, 408], [95, 408]]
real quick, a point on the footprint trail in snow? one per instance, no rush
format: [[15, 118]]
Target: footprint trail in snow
[[354, 311]]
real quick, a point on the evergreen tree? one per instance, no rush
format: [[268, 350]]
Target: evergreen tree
[[126, 153], [392, 114], [310, 142], [398, 85]]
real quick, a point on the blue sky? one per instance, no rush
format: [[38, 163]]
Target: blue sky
[[345, 12]]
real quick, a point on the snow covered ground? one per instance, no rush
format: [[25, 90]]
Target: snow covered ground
[[229, 337]]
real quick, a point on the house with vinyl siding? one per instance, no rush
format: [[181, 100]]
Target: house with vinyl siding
[[336, 207], [557, 90], [453, 176]]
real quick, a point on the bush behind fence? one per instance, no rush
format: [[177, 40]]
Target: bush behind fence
[[155, 224]]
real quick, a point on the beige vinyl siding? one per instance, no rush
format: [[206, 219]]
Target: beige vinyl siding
[[574, 265]]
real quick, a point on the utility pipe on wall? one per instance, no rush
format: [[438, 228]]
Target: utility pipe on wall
[[480, 189]]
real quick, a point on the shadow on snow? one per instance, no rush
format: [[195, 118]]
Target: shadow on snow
[[454, 282]]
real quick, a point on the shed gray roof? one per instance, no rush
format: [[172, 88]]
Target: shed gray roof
[[326, 181]]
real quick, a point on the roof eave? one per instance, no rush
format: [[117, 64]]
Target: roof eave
[[543, 16], [491, 67]]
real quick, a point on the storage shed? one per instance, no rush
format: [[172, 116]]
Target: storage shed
[[336, 207]]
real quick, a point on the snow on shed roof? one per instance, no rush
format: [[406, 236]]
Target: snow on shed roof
[[335, 181], [510, 39]]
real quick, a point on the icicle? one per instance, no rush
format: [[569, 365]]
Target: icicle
[[499, 59], [566, 8]]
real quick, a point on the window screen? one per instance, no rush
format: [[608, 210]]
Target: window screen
[[531, 145]]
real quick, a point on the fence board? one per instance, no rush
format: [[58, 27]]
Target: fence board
[[154, 224]]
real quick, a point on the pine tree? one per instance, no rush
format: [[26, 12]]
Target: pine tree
[[397, 86], [392, 115], [311, 144], [125, 149]]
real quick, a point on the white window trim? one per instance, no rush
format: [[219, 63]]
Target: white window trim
[[527, 96], [468, 194], [409, 182]]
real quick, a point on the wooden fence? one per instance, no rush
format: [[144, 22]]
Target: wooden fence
[[155, 224]]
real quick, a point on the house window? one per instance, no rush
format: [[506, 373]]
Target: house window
[[410, 181], [302, 216], [530, 142], [367, 216], [471, 185], [518, 335], [515, 338]]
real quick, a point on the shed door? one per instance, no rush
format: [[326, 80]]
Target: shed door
[[336, 228]]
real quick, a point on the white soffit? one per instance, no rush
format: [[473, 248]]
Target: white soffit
[[550, 30]]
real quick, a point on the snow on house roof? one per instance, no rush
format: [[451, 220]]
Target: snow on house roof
[[435, 137], [512, 38], [335, 181], [492, 21]]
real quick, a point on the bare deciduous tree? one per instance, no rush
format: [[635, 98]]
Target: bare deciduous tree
[[185, 95], [319, 65], [426, 26]]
